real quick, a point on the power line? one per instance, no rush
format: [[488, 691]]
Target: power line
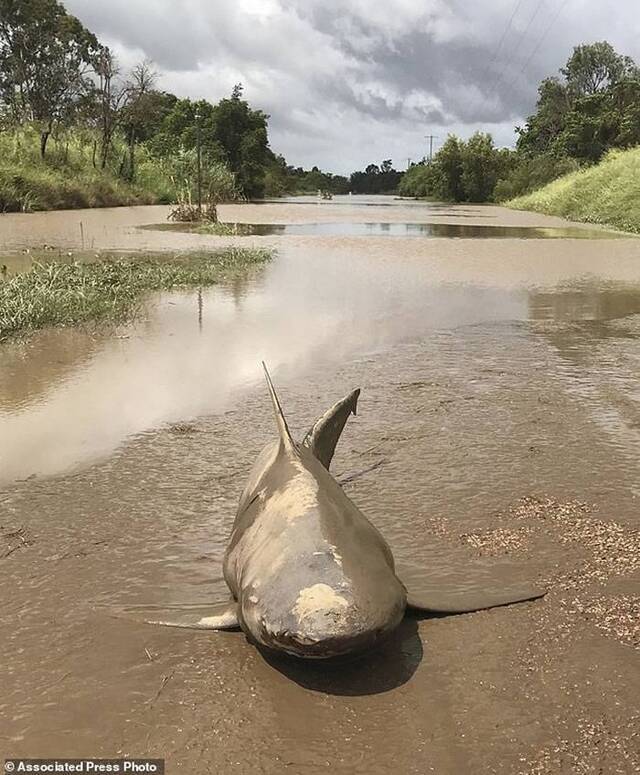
[[516, 48], [528, 27], [506, 31], [542, 38], [538, 45]]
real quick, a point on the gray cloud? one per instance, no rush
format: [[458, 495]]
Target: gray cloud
[[347, 82]]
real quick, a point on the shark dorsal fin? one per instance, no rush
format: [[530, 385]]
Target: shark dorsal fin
[[283, 428]]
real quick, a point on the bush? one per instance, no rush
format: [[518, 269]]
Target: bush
[[418, 181], [530, 174], [460, 172]]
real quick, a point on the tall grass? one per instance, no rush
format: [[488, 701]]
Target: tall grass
[[67, 177], [608, 193], [56, 293]]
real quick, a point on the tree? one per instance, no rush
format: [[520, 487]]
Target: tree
[[596, 67], [545, 125], [46, 56], [448, 183], [591, 108], [479, 173], [242, 135], [137, 88], [420, 180], [375, 179], [109, 99]]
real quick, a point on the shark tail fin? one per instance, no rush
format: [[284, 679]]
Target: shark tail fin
[[324, 435], [283, 428]]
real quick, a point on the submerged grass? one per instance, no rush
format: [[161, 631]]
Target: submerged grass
[[607, 194], [220, 229], [61, 294]]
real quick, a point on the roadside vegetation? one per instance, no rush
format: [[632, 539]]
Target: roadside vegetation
[[64, 294], [589, 109], [608, 193], [77, 131], [68, 178]]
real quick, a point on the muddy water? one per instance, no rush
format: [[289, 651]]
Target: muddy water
[[386, 229], [491, 371]]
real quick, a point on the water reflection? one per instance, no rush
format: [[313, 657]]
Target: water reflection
[[433, 230], [585, 301]]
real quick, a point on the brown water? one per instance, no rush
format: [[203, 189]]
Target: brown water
[[491, 370], [386, 229]]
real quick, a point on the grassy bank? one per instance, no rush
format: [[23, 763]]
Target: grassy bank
[[608, 193], [71, 176], [62, 294]]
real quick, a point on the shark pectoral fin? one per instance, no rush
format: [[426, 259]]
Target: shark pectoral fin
[[436, 603], [223, 616], [324, 435]]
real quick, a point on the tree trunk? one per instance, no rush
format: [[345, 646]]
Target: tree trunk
[[105, 153], [44, 137], [132, 168]]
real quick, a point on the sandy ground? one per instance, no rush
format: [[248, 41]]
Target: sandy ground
[[499, 432]]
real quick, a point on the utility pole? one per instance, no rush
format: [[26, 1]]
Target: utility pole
[[199, 146], [431, 138]]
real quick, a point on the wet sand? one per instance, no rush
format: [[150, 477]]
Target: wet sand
[[499, 429]]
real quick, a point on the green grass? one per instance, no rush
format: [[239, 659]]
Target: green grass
[[64, 294], [67, 178], [608, 193], [218, 229], [224, 229]]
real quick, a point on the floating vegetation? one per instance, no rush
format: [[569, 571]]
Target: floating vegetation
[[61, 294]]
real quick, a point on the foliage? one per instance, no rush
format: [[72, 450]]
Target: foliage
[[56, 77], [282, 179], [461, 171], [449, 170], [531, 173], [420, 180], [593, 106], [481, 166], [242, 134], [46, 56], [375, 180], [188, 211], [70, 293], [67, 178], [608, 193]]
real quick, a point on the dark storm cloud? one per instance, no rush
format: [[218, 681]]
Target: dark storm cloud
[[352, 81]]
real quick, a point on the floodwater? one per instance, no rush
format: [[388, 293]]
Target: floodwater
[[500, 411], [386, 229]]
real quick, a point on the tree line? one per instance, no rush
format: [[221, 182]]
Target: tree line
[[589, 108], [58, 80]]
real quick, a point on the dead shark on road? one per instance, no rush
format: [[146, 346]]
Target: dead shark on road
[[309, 575]]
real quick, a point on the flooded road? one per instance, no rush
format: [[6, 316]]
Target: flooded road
[[499, 436]]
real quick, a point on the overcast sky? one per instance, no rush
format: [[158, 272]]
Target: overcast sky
[[348, 82]]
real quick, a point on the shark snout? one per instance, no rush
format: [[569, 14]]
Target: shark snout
[[325, 645], [323, 622]]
